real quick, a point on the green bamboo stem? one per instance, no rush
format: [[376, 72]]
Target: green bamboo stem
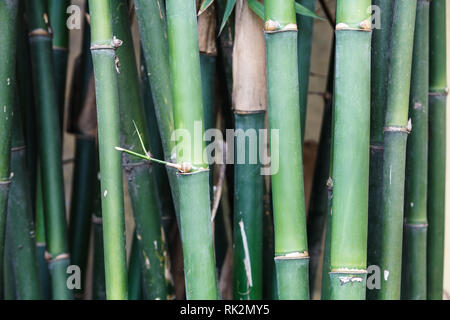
[[57, 14], [151, 18], [395, 137], [248, 208], [381, 41], [20, 230], [103, 47], [82, 203], [304, 42], [414, 272], [350, 175], [81, 124], [141, 181], [249, 104], [437, 150], [50, 147], [8, 24], [41, 242], [291, 249], [134, 271], [98, 263], [194, 203], [25, 84]]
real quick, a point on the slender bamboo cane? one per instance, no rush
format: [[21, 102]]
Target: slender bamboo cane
[[318, 208], [195, 220], [151, 18], [249, 104], [134, 271], [57, 14], [8, 25], [103, 49], [41, 241], [141, 181], [351, 120], [98, 263], [381, 41], [436, 153], [20, 231], [152, 26], [414, 273], [291, 249], [304, 42], [395, 135], [83, 124], [50, 147]]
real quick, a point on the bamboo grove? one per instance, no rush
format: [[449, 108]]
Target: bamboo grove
[[191, 115]]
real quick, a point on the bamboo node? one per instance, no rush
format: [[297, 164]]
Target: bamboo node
[[366, 25], [293, 256], [59, 257], [271, 26], [405, 129], [39, 33]]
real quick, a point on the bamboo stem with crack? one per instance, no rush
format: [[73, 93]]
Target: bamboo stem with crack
[[249, 105]]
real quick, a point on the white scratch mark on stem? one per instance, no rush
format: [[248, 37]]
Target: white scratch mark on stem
[[247, 264], [386, 275]]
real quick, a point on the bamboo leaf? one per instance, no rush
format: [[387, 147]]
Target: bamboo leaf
[[257, 8], [303, 11], [228, 10], [205, 5]]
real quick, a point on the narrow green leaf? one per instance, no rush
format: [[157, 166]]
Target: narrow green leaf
[[205, 5], [228, 10], [257, 8], [303, 11]]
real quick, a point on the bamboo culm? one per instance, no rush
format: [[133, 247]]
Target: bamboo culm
[[103, 48], [194, 212], [414, 273], [139, 173], [8, 25], [381, 41], [437, 150], [291, 249], [304, 43], [50, 147], [350, 156], [395, 138]]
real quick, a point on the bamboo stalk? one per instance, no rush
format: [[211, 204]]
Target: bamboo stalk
[[8, 25], [304, 42], [381, 41], [437, 150], [414, 273], [134, 271], [141, 181], [103, 47], [249, 104], [351, 120], [98, 263], [20, 230], [50, 147], [291, 249], [395, 136], [195, 220], [57, 14]]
